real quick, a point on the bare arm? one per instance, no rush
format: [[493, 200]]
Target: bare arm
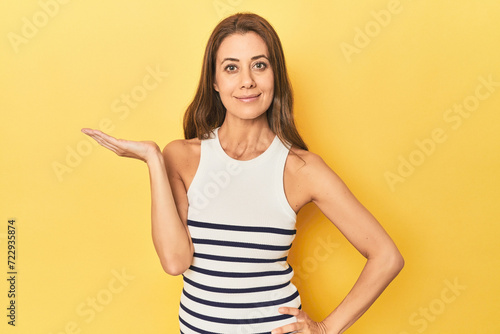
[[363, 231], [171, 237], [170, 233]]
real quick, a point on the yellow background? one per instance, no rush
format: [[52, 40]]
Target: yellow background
[[363, 111]]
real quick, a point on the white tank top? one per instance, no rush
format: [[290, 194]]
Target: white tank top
[[242, 228]]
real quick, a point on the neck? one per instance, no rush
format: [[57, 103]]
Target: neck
[[245, 139]]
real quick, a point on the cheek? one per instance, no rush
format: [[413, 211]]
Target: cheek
[[225, 86], [269, 82], [270, 86]]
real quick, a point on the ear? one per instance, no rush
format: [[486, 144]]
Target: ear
[[216, 87]]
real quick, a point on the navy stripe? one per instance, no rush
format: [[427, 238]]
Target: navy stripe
[[236, 321], [235, 290], [241, 275], [239, 244], [194, 328], [205, 332], [237, 259], [224, 227], [242, 305]]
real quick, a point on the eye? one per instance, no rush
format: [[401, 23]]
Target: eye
[[230, 68], [260, 65]]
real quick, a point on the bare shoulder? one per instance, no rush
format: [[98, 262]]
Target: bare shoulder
[[305, 172], [179, 150], [305, 162], [182, 155], [320, 181]]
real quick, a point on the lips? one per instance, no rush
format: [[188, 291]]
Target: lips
[[248, 98]]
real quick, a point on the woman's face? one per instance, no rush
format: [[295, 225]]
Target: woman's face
[[243, 76]]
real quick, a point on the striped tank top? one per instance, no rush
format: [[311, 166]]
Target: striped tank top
[[242, 228]]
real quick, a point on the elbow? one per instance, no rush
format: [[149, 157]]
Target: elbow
[[395, 262], [174, 269], [389, 261], [174, 262], [177, 264]]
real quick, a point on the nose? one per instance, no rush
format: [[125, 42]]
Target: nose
[[246, 78]]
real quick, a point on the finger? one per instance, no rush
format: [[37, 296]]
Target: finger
[[122, 147], [289, 310], [290, 328], [86, 130], [105, 140], [103, 136], [107, 144], [89, 131]]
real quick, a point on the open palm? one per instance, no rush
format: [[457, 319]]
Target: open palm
[[141, 150]]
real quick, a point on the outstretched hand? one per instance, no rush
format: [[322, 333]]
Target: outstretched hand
[[142, 150], [303, 325]]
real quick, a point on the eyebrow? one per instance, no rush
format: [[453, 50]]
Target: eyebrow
[[236, 59]]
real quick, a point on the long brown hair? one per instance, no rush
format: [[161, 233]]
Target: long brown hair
[[206, 112]]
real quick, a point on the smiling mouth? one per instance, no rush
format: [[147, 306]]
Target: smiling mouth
[[248, 98]]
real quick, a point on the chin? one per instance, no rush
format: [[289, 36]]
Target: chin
[[248, 114]]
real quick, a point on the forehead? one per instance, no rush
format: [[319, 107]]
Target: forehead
[[242, 46]]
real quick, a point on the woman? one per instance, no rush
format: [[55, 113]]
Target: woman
[[225, 199]]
